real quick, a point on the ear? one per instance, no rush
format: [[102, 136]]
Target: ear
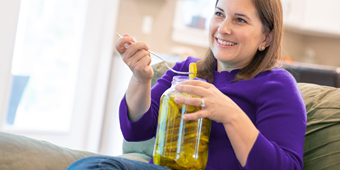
[[266, 41], [269, 38]]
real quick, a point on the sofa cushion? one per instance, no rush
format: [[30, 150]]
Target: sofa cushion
[[19, 152], [322, 142], [143, 149]]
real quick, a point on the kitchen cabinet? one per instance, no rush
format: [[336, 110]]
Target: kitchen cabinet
[[182, 32], [312, 17]]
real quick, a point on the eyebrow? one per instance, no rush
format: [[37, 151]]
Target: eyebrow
[[237, 14], [220, 9], [242, 15]]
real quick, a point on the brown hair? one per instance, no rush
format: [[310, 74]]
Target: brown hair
[[270, 13]]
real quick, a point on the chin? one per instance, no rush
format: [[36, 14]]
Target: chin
[[224, 58]]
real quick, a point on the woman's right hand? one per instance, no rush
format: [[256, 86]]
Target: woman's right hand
[[137, 57]]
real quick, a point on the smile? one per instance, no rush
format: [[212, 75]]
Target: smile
[[226, 43]]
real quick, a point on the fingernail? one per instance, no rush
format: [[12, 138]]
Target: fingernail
[[128, 38], [177, 99]]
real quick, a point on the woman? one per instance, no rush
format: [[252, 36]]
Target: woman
[[257, 112]]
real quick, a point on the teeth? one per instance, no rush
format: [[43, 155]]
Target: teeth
[[225, 43]]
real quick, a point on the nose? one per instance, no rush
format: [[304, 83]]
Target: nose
[[224, 27]]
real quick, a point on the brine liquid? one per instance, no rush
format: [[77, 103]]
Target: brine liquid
[[180, 144]]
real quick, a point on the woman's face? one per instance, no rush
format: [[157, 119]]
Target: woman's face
[[235, 33]]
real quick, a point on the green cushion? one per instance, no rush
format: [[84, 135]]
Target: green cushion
[[322, 142], [144, 148], [159, 69]]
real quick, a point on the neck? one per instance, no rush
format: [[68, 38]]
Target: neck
[[226, 67]]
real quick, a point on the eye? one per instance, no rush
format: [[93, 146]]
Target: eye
[[218, 14], [241, 20]]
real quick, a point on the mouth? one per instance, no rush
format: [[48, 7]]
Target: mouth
[[225, 43]]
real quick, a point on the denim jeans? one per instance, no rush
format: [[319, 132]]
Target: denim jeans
[[110, 163]]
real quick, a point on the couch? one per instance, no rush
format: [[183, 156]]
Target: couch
[[322, 142]]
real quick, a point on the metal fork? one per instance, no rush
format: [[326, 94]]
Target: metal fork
[[178, 72]]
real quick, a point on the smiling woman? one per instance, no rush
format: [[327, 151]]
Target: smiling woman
[[247, 36]]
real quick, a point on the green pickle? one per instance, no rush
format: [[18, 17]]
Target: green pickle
[[180, 144]]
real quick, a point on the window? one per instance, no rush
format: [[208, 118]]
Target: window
[[45, 64]]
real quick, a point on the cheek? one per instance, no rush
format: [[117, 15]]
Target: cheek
[[242, 34], [248, 37], [212, 27]]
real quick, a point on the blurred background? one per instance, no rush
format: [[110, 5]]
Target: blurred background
[[62, 81]]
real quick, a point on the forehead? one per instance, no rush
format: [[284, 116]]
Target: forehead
[[246, 7]]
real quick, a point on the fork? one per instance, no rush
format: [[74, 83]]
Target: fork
[[178, 72]]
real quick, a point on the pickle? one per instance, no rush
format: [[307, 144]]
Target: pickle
[[186, 157]]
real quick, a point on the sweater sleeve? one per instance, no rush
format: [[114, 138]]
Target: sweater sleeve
[[145, 127], [281, 121]]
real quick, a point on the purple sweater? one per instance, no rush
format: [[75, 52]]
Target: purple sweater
[[271, 100]]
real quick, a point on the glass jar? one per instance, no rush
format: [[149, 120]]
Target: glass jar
[[180, 144]]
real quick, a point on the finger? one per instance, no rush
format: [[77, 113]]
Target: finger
[[195, 115], [143, 64], [135, 47], [197, 83], [145, 60], [188, 101], [132, 61], [192, 89]]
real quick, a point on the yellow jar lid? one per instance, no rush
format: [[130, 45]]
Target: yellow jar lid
[[193, 69]]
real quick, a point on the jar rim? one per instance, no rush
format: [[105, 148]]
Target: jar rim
[[184, 78]]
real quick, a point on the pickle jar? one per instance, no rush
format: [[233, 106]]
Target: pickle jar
[[180, 144]]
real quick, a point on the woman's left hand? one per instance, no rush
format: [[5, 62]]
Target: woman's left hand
[[218, 106]]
